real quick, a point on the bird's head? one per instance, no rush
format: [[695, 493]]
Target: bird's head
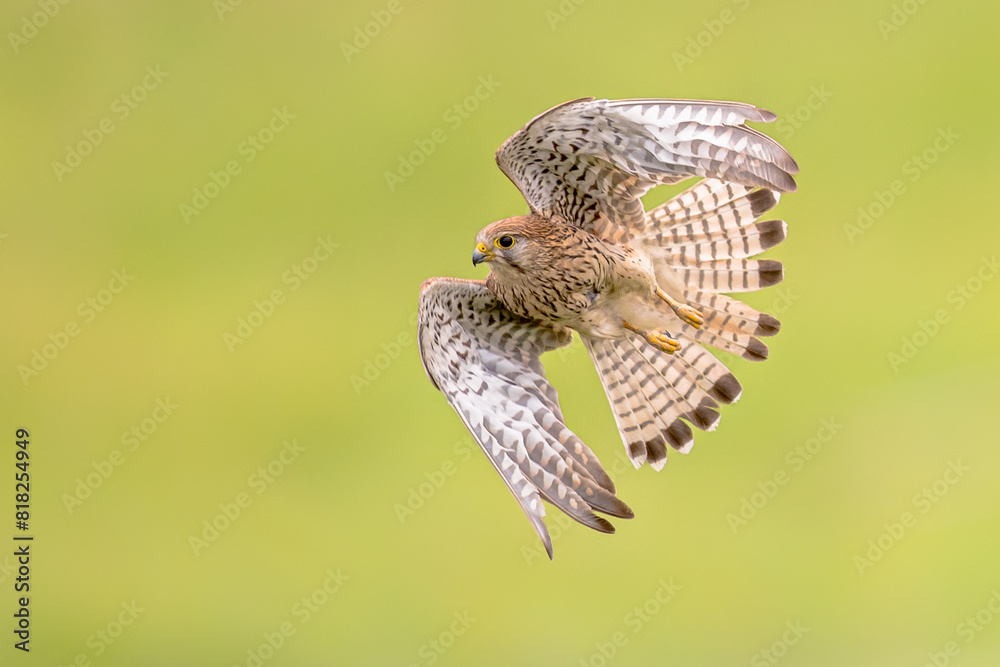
[[513, 243]]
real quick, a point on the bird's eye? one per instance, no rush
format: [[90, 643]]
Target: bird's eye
[[505, 241]]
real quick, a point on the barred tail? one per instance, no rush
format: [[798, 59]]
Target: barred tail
[[656, 397], [701, 242]]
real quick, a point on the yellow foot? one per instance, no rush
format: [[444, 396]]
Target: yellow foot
[[688, 314], [658, 338], [661, 340]]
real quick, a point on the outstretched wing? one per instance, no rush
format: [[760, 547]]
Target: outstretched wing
[[589, 161], [485, 360]]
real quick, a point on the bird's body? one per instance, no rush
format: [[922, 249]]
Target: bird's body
[[591, 287], [643, 289]]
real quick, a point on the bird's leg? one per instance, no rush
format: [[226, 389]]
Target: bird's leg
[[658, 338], [688, 314]]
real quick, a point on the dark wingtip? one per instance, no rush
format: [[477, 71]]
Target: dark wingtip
[[603, 525], [727, 390], [705, 416], [656, 452], [770, 271], [679, 435], [600, 476], [636, 450], [606, 483], [612, 506], [606, 503], [756, 350], [780, 179], [547, 543], [771, 233], [767, 325], [761, 201]]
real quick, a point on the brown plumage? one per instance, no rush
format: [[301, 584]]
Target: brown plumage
[[643, 289]]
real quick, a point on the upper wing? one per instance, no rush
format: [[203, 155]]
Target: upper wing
[[589, 161], [485, 360]]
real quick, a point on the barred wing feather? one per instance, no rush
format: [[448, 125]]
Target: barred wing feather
[[485, 360]]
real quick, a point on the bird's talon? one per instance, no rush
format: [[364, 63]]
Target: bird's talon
[[661, 340], [690, 315]]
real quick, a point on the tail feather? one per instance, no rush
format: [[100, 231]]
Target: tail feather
[[708, 208], [700, 243], [684, 395], [726, 312], [636, 422], [709, 373], [724, 325], [648, 388], [750, 348], [731, 275], [736, 243], [656, 398]]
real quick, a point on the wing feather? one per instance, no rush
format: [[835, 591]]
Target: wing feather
[[485, 360], [589, 161]]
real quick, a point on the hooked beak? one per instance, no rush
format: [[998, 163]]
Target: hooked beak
[[481, 254]]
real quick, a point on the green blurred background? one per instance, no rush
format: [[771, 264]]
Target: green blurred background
[[860, 88]]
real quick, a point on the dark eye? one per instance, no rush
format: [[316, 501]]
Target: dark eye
[[505, 241]]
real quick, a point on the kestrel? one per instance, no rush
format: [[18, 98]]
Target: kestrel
[[643, 289]]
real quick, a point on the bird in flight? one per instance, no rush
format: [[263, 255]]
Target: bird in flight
[[645, 290]]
